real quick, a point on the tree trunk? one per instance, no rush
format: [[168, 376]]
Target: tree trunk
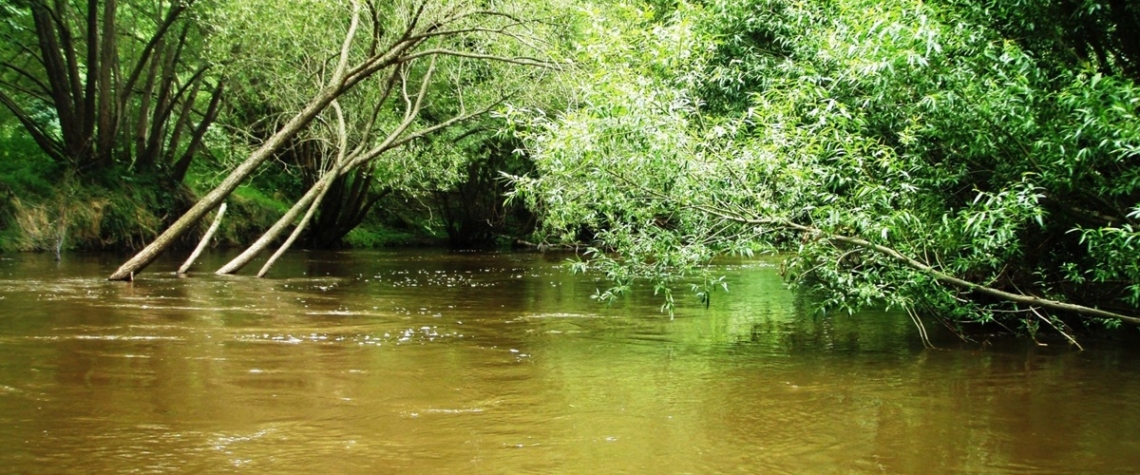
[[337, 86], [205, 240], [344, 78], [296, 233], [223, 190], [183, 164], [275, 231]]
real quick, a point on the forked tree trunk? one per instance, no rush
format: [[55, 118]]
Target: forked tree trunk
[[343, 165]]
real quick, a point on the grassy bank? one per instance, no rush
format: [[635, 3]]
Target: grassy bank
[[43, 209]]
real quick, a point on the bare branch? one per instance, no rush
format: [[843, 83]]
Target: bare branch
[[46, 91], [520, 60], [46, 142], [342, 64], [37, 95]]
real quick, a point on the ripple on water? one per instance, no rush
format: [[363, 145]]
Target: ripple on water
[[107, 337], [370, 375]]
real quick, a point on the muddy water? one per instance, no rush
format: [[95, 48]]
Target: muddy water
[[435, 362]]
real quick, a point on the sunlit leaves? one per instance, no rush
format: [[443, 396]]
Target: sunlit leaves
[[902, 123]]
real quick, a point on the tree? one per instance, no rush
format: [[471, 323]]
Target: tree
[[472, 211], [403, 44], [1100, 35], [907, 153], [100, 84]]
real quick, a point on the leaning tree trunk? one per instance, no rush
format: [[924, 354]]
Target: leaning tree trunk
[[342, 81], [343, 165], [279, 227], [323, 185], [296, 232], [236, 177], [205, 240]]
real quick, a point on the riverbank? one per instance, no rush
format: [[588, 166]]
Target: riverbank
[[94, 215]]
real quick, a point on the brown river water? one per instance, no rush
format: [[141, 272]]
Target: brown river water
[[426, 361]]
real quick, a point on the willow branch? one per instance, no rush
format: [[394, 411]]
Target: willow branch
[[44, 90], [41, 136], [930, 271]]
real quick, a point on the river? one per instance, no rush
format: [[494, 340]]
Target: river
[[426, 361]]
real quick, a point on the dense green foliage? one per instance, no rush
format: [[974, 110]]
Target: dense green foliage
[[118, 93], [856, 134], [109, 84], [110, 102]]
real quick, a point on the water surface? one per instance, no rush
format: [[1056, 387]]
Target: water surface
[[436, 362]]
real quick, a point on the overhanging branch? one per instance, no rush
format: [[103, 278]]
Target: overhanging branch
[[929, 270]]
